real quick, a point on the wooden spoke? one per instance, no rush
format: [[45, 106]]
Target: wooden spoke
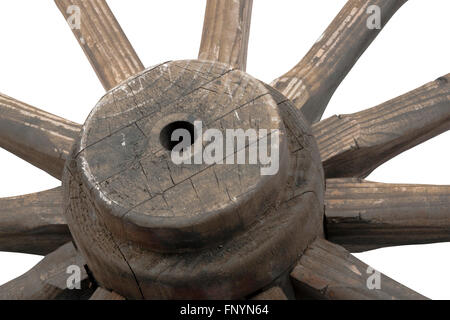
[[50, 279], [312, 82], [274, 293], [42, 139], [328, 271], [102, 39], [103, 294], [362, 215], [226, 32], [34, 223], [354, 145]]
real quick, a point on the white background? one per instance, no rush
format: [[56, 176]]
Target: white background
[[42, 64]]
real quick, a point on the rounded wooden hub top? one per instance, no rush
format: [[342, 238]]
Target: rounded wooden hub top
[[154, 228], [176, 194]]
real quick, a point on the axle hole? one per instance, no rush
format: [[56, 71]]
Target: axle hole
[[166, 134]]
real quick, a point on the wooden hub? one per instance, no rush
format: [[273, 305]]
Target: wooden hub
[[220, 222], [127, 156]]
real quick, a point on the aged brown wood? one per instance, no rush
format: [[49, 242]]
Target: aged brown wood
[[363, 215], [274, 293], [103, 294], [48, 280], [328, 271], [103, 40], [226, 32], [313, 81], [169, 207], [151, 229], [38, 137], [145, 225], [354, 145], [34, 223]]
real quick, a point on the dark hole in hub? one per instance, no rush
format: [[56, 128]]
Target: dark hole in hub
[[165, 136]]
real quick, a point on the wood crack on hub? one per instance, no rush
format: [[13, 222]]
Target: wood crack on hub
[[193, 230]]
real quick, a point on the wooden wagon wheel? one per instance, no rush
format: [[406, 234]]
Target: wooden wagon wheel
[[144, 228]]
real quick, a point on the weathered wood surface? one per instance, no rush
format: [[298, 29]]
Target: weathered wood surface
[[354, 145], [313, 81], [38, 137], [34, 223], [226, 32], [328, 271], [103, 294], [363, 215], [102, 39], [170, 207], [274, 293], [48, 280], [252, 254]]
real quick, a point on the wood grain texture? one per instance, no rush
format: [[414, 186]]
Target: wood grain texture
[[255, 254], [96, 244], [103, 294], [226, 32], [280, 289], [313, 81], [328, 271], [38, 137], [356, 144], [170, 207], [34, 223], [48, 279], [103, 41], [363, 215], [274, 293]]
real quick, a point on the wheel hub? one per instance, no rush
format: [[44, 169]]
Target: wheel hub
[[219, 214]]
